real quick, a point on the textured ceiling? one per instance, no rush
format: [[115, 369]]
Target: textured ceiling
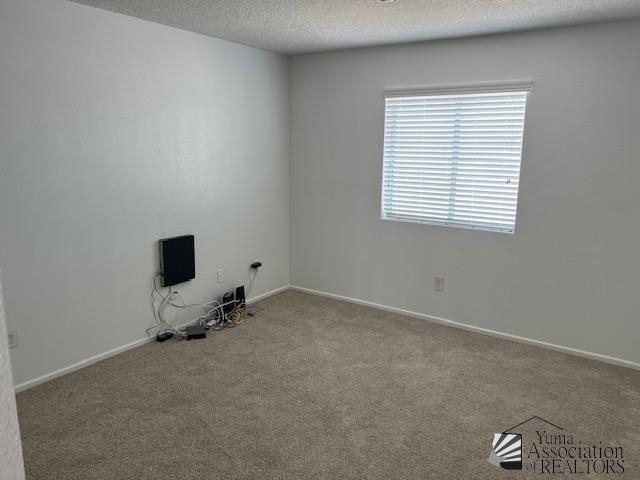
[[303, 26]]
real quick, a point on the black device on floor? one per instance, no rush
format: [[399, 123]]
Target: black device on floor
[[164, 336], [177, 260], [196, 331], [240, 299], [228, 303]]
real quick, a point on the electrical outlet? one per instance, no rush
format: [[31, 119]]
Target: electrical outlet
[[13, 339], [438, 284], [221, 275]]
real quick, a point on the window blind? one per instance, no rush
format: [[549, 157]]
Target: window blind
[[453, 159]]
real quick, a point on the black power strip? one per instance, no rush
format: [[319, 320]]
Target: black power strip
[[164, 336], [196, 331]]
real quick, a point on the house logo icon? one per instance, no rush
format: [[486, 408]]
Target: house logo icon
[[506, 451]]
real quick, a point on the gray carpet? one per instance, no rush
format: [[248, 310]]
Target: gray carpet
[[314, 388]]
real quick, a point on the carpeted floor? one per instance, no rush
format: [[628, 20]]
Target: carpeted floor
[[314, 388]]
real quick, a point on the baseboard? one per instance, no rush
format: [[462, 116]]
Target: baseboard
[[81, 364], [110, 353], [574, 351], [262, 296], [494, 333]]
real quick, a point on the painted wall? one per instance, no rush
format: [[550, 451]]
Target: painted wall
[[115, 132], [11, 466], [569, 275]]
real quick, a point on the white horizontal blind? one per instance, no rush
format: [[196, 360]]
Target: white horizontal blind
[[453, 159]]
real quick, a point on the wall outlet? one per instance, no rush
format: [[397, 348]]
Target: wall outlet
[[438, 284], [221, 275], [13, 339]]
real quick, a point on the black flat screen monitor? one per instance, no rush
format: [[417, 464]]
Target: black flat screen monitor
[[177, 260]]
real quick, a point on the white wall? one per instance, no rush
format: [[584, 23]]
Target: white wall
[[11, 466], [115, 132], [569, 275]]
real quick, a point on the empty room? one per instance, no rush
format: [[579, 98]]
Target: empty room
[[303, 239]]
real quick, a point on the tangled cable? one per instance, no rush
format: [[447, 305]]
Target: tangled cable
[[214, 317]]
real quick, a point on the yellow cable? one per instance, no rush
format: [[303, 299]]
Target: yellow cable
[[236, 315]]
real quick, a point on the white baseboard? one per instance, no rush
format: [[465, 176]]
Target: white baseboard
[[110, 353], [529, 341], [574, 351], [262, 296], [81, 364]]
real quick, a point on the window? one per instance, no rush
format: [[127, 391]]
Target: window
[[453, 157]]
